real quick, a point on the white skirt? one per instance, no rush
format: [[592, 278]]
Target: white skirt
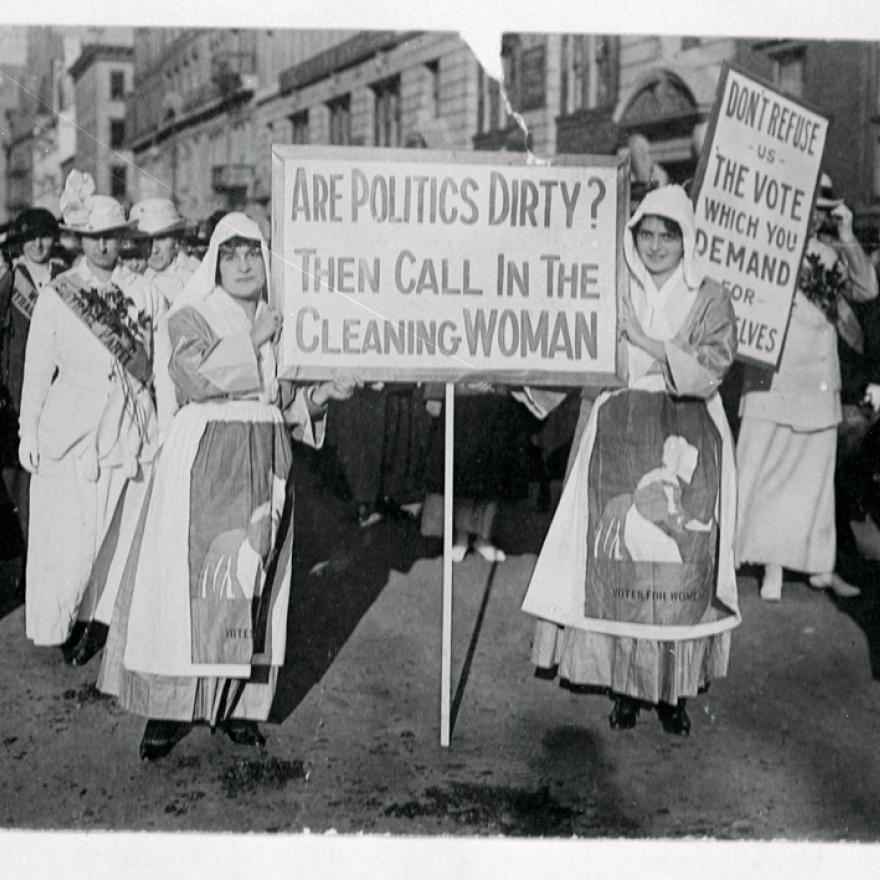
[[786, 496]]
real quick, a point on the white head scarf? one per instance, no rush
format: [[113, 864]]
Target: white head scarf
[[661, 312], [670, 202], [202, 283]]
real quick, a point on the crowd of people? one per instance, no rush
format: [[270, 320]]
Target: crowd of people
[[146, 455]]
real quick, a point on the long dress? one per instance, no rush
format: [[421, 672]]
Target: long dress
[[787, 443], [643, 620], [19, 289], [199, 628], [96, 430]]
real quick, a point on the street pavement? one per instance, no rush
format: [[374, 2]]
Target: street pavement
[[785, 747]]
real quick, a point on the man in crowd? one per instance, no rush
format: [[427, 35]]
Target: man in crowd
[[168, 267]]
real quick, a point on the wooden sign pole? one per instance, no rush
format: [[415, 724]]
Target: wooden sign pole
[[446, 618]]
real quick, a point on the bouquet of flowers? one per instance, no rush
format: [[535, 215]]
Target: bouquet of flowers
[[822, 286], [126, 329]]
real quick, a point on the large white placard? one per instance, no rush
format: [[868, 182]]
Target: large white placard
[[753, 198], [415, 265]]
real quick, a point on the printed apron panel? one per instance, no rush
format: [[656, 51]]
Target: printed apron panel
[[654, 478], [237, 492]]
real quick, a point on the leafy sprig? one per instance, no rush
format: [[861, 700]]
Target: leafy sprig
[[822, 286]]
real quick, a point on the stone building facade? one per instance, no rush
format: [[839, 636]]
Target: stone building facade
[[191, 123], [209, 104], [102, 79]]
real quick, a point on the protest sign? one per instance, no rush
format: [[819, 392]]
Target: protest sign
[[415, 265], [753, 197]]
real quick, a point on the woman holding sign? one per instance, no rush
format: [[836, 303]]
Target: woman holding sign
[[199, 628], [635, 586]]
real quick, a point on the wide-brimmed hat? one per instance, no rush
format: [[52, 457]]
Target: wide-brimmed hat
[[32, 223], [157, 217], [825, 198], [85, 213]]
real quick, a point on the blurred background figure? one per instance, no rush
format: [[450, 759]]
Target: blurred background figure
[[134, 251], [493, 463], [787, 445], [169, 267], [34, 235]]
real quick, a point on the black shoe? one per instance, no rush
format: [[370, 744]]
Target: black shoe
[[243, 732], [624, 714], [68, 647], [94, 638], [160, 737], [674, 718]]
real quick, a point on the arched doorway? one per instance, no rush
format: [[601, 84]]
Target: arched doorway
[[663, 109]]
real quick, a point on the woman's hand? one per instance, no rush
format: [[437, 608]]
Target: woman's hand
[[29, 454], [266, 326], [337, 389], [631, 329]]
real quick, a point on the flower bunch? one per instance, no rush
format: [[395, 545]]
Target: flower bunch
[[109, 306], [822, 285]]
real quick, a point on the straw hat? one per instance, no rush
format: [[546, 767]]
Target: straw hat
[[825, 200], [157, 217], [85, 213]]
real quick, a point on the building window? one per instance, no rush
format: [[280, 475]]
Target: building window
[[340, 120], [117, 85], [117, 133], [299, 128], [118, 181], [386, 113], [489, 115], [788, 71], [432, 97], [589, 70]]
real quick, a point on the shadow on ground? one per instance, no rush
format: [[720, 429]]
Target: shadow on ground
[[864, 610], [339, 569]]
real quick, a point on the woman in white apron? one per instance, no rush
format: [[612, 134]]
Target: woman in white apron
[[199, 627], [635, 588]]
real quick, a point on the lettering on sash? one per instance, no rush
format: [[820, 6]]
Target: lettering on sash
[[24, 295]]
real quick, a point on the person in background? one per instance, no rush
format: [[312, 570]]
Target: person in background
[[169, 267], [87, 422], [788, 435], [35, 232], [380, 436], [134, 251], [492, 464], [199, 627]]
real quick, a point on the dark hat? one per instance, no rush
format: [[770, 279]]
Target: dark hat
[[33, 223]]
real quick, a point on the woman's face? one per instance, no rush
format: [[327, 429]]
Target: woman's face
[[659, 249], [38, 250], [162, 252], [242, 272], [101, 250]]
